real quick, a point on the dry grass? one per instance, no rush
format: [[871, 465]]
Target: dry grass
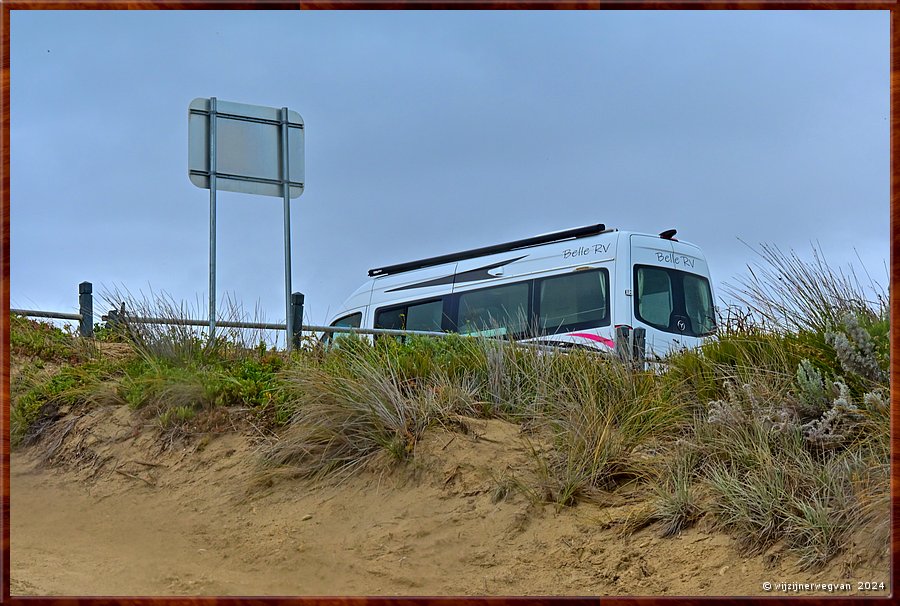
[[343, 422], [784, 291]]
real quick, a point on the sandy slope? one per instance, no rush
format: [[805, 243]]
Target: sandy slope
[[115, 514]]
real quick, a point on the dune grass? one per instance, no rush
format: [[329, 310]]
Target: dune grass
[[776, 430]]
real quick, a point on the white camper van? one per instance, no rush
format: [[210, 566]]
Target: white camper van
[[584, 287]]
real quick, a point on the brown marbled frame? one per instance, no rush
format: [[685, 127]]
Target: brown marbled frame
[[7, 5]]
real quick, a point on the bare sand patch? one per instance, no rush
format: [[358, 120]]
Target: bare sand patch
[[119, 509]]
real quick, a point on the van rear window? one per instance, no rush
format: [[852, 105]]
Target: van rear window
[[654, 300], [673, 301]]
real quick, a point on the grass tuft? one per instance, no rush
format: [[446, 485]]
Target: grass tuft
[[341, 422], [676, 504], [601, 412]]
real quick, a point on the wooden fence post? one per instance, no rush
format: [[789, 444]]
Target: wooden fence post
[[86, 309]]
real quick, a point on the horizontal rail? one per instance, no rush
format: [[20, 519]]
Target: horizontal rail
[[267, 326], [275, 326], [86, 321], [424, 333], [256, 325], [33, 313], [375, 331], [229, 324], [191, 322]]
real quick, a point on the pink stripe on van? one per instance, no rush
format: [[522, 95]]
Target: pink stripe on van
[[597, 338]]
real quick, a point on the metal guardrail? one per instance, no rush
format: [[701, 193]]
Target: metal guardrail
[[85, 320], [276, 326], [84, 317], [32, 313], [626, 348], [308, 328], [191, 322], [376, 331]]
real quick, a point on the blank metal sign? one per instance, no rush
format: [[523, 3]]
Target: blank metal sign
[[248, 148]]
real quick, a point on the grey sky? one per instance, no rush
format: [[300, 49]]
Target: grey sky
[[431, 132]]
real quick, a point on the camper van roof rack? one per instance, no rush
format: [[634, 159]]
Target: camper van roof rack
[[578, 232]]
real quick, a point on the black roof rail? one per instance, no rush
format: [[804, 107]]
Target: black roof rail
[[578, 232]]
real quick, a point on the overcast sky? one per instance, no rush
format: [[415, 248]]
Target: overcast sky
[[432, 132]]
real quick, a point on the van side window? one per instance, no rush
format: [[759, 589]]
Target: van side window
[[573, 301], [502, 310], [425, 316], [393, 319]]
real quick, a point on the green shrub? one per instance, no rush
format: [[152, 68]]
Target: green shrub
[[736, 358], [37, 398], [252, 382], [42, 340], [160, 386], [176, 415], [416, 359]]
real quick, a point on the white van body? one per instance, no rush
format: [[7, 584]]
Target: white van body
[[570, 288]]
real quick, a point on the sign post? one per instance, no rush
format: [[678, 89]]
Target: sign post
[[212, 218], [286, 196], [249, 149]]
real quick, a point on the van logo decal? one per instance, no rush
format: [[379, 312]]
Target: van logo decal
[[472, 275], [585, 250], [676, 259]]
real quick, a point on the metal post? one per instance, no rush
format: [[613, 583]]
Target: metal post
[[623, 344], [639, 347], [286, 191], [212, 218], [296, 317], [86, 309]]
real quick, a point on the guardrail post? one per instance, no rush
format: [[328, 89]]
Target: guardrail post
[[623, 345], [297, 317], [114, 316], [639, 347], [86, 309]]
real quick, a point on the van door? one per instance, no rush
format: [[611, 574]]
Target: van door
[[653, 305]]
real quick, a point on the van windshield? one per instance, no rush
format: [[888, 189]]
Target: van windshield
[[351, 321], [674, 301]]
